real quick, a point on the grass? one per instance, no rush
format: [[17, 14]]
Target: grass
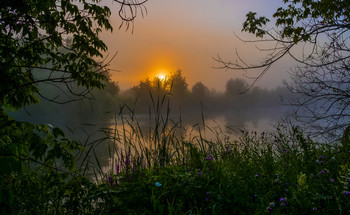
[[282, 173], [277, 173], [162, 172]]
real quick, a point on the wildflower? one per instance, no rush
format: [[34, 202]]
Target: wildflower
[[283, 204], [200, 173], [281, 199], [322, 171], [317, 161], [158, 184], [321, 157], [256, 175], [117, 168], [134, 166], [331, 180], [346, 193], [314, 208], [209, 158], [109, 180], [207, 198], [287, 152]]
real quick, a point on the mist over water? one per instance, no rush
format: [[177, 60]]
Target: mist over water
[[112, 117]]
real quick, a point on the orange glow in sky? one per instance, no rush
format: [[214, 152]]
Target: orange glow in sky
[[164, 41]]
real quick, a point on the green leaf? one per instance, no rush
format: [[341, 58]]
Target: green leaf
[[9, 164]]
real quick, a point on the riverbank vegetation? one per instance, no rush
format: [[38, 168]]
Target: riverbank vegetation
[[282, 172], [165, 170]]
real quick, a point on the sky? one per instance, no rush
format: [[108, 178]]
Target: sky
[[186, 35]]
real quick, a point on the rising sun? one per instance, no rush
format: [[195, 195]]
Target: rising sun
[[161, 77]]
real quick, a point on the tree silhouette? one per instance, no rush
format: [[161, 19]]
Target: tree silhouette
[[200, 91], [235, 87], [178, 85], [322, 28], [55, 43]]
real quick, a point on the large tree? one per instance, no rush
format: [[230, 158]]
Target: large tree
[[316, 35], [54, 42], [51, 42]]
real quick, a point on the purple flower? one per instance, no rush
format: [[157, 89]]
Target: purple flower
[[314, 208], [347, 193], [200, 173], [209, 158], [134, 166], [281, 199], [331, 179], [322, 171], [117, 169], [256, 175], [286, 151], [109, 179], [321, 157]]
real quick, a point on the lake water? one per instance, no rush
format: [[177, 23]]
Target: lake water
[[91, 130], [225, 128]]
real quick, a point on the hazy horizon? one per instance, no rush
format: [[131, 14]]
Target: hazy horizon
[[187, 35]]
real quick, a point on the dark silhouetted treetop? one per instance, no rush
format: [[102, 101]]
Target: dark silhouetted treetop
[[316, 34], [199, 90], [52, 41], [299, 21]]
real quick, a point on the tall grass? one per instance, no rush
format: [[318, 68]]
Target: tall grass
[[165, 172]]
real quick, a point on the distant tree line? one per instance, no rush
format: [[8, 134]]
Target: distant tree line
[[175, 93]]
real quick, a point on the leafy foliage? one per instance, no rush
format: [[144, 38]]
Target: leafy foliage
[[54, 42], [57, 38]]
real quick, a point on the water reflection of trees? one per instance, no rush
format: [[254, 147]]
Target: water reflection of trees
[[143, 108]]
